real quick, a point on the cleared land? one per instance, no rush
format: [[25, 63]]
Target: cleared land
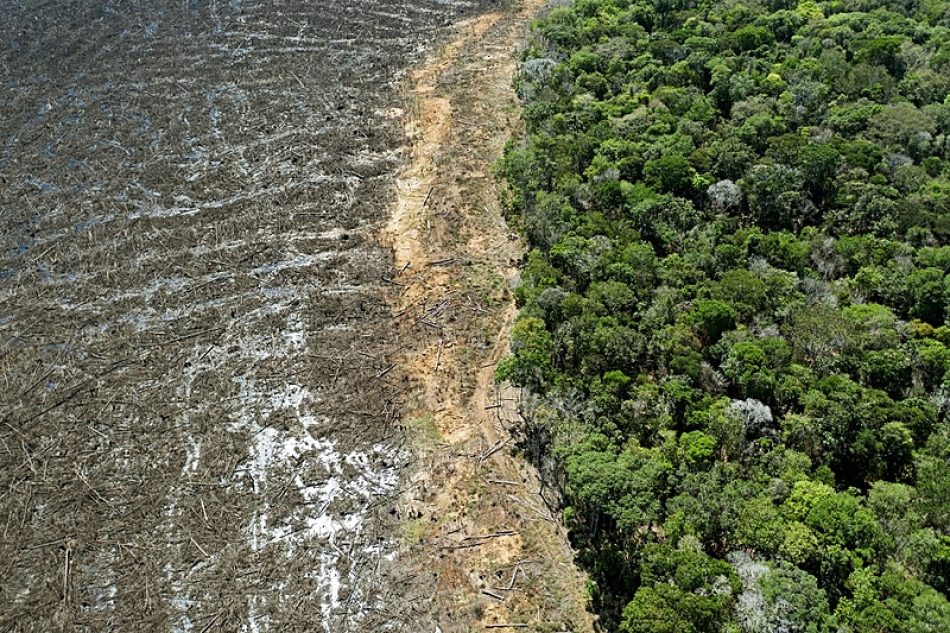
[[483, 550], [199, 405]]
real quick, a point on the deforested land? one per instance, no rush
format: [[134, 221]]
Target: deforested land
[[201, 419]]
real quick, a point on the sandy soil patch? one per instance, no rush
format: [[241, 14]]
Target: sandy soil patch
[[482, 548]]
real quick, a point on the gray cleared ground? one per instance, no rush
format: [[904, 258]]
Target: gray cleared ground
[[196, 402]]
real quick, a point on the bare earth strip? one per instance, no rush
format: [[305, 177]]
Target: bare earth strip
[[481, 547], [199, 400]]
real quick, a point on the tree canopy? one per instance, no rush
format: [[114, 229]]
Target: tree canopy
[[734, 311]]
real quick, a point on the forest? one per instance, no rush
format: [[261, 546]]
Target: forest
[[733, 336]]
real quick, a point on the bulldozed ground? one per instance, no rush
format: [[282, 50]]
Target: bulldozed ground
[[226, 404], [198, 414], [483, 549]]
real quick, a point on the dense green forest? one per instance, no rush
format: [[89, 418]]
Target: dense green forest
[[733, 330]]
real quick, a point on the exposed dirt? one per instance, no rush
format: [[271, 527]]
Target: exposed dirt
[[481, 547]]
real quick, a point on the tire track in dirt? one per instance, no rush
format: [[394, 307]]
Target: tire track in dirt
[[481, 547]]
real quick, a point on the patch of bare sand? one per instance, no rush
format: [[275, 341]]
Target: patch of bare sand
[[481, 547]]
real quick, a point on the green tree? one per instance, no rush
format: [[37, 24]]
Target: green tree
[[530, 362], [712, 318], [682, 591], [747, 366], [670, 174], [776, 197]]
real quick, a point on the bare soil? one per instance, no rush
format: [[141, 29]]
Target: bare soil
[[482, 547]]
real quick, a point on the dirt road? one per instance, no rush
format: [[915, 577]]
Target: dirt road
[[482, 548]]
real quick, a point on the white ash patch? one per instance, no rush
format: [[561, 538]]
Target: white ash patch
[[336, 486]]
